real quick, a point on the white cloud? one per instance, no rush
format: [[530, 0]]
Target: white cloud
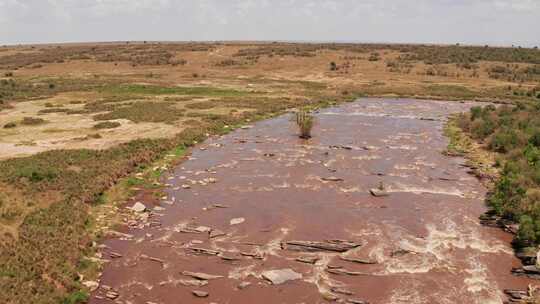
[[449, 21]]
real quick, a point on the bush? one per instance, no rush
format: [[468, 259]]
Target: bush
[[305, 121], [503, 141], [535, 139], [77, 297], [374, 57], [333, 66], [10, 125], [482, 128], [476, 112], [528, 232], [107, 125], [32, 121]]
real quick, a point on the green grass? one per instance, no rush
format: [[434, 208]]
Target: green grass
[[144, 111], [458, 144], [451, 90], [136, 89]]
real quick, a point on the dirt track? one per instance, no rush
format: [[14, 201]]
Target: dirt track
[[263, 187]]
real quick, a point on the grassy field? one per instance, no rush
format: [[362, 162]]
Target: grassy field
[[83, 125]]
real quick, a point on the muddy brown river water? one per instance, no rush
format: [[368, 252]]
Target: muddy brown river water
[[235, 208]]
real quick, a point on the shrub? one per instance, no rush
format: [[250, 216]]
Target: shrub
[[527, 232], [535, 139], [476, 112], [31, 121], [8, 74], [77, 297], [482, 128], [374, 57], [305, 121], [333, 66], [10, 125], [503, 141], [107, 125]]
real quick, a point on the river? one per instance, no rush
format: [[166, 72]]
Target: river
[[259, 188]]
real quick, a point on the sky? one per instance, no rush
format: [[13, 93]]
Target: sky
[[479, 22]]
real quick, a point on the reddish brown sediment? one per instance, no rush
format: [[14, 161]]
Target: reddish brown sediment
[[420, 244]]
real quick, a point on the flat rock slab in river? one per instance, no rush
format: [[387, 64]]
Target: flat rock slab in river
[[281, 276], [331, 245]]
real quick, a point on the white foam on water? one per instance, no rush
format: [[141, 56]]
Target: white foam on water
[[320, 277], [370, 114], [366, 157], [408, 294], [406, 167], [403, 147], [484, 291], [437, 249], [284, 185], [398, 187], [350, 190], [242, 272], [273, 247]]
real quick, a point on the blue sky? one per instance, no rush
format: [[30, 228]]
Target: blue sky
[[495, 22]]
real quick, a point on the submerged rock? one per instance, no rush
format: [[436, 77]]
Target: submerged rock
[[280, 276]]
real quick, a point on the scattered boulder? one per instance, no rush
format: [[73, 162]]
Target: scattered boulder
[[328, 296], [200, 293], [203, 251], [237, 221], [203, 229], [528, 255], [112, 294], [341, 291], [138, 207], [529, 271], [517, 294], [357, 260], [214, 233], [308, 259], [244, 285], [201, 275], [92, 285], [340, 271], [353, 301], [280, 276], [332, 179], [378, 192], [194, 282]]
